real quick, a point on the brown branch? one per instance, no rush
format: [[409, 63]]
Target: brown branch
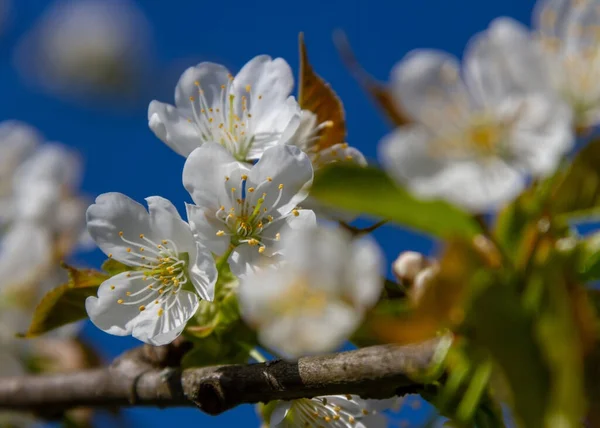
[[134, 380]]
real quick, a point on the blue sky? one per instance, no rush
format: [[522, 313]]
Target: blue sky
[[123, 155]]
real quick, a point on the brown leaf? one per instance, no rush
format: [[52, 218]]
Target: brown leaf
[[377, 90], [316, 95]]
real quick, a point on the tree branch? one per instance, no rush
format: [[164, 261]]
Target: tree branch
[[134, 380]]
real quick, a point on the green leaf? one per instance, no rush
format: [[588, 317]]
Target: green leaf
[[66, 303], [371, 192], [590, 264], [577, 194]]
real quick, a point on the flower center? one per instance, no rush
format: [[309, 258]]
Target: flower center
[[485, 137], [228, 119], [248, 217], [314, 301], [162, 265]]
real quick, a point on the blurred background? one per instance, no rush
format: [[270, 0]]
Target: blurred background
[[84, 71]]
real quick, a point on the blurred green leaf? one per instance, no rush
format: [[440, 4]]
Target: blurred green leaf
[[500, 324], [577, 195], [590, 260], [66, 303], [214, 350], [371, 192]]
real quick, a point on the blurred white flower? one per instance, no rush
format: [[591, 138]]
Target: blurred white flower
[[476, 141], [83, 47], [569, 32], [314, 300], [307, 138], [152, 302], [246, 114], [242, 211], [336, 411]]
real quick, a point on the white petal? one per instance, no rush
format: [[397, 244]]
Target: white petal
[[173, 128], [246, 259], [105, 311], [25, 255], [297, 336], [551, 17], [210, 77], [203, 273], [542, 134], [205, 228], [53, 163], [427, 82], [504, 60], [477, 185], [365, 272], [271, 80], [287, 166], [166, 222], [204, 175], [17, 141], [113, 213], [279, 413], [158, 330]]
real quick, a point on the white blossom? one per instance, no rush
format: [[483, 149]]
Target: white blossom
[[153, 301], [241, 211], [477, 138], [247, 113], [569, 35], [314, 300], [335, 411]]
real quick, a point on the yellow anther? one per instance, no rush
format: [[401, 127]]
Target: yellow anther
[[260, 97], [327, 419], [110, 255], [164, 242], [192, 99], [336, 417], [221, 125], [222, 86], [348, 397], [197, 83], [226, 178], [351, 419], [142, 249], [261, 250], [161, 291], [129, 250], [112, 287], [365, 412], [337, 408], [277, 236], [327, 124], [252, 242], [247, 88], [220, 233], [120, 301], [334, 153], [349, 157], [270, 218], [280, 187], [249, 115], [128, 275], [233, 189], [251, 189], [160, 312], [210, 110], [244, 177], [128, 293], [150, 287], [120, 233], [296, 213], [141, 236], [142, 308], [210, 120]]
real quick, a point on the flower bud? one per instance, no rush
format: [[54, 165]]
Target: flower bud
[[422, 280], [408, 265]]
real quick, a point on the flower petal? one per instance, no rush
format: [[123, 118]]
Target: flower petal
[[270, 82], [287, 166], [365, 272], [111, 214], [166, 223], [279, 413], [17, 141], [105, 311], [304, 220], [205, 227], [53, 163], [475, 184], [209, 76], [205, 172], [25, 255], [173, 128], [426, 82], [203, 273], [246, 259], [297, 336], [158, 330], [504, 60]]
